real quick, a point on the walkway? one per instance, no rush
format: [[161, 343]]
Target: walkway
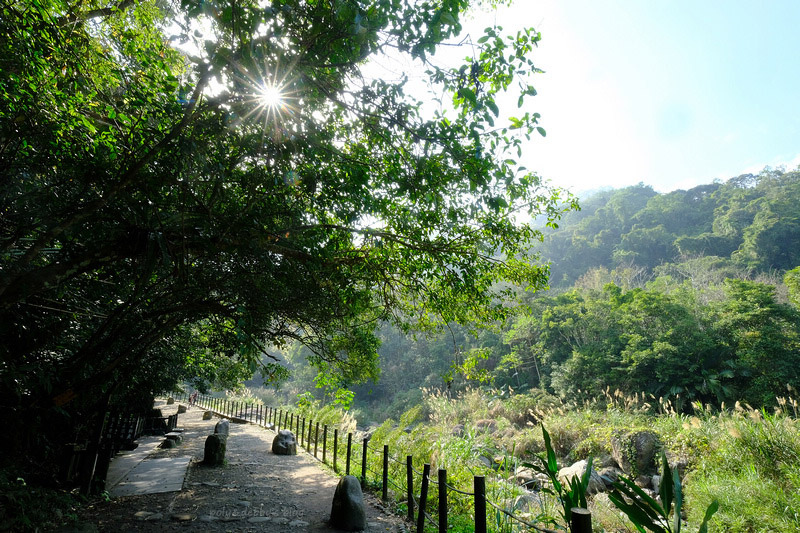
[[255, 491]]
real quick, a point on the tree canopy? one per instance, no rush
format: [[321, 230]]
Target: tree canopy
[[186, 184]]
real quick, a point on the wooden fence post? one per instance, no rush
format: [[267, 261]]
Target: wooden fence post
[[364, 462], [316, 440], [385, 477], [581, 521], [349, 448], [324, 442], [423, 497], [442, 475], [410, 487], [479, 485], [335, 448]]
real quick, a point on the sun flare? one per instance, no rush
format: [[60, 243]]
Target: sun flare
[[270, 96]]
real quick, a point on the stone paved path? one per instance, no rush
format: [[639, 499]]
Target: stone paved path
[[255, 491]]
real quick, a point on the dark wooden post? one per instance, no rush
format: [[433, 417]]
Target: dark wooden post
[[423, 497], [364, 463], [335, 448], [302, 434], [410, 487], [316, 439], [324, 443], [442, 500], [310, 429], [349, 448], [581, 521], [385, 477], [479, 485]]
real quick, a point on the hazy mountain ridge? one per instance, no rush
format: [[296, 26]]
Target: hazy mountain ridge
[[751, 220]]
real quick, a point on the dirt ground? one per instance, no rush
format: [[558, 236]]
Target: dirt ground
[[255, 491]]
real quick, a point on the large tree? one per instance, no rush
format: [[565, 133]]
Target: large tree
[[186, 184]]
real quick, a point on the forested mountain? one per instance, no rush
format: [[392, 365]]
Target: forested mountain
[[752, 220], [678, 295]]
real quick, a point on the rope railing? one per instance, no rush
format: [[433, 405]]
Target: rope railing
[[308, 433], [520, 520]]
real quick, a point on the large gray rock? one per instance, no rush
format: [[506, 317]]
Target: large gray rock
[[215, 450], [347, 511], [223, 427], [596, 483], [609, 475], [527, 502], [284, 443], [634, 451], [655, 482], [170, 400], [487, 425], [526, 477], [208, 415], [181, 409]]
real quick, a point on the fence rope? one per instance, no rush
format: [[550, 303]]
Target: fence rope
[[391, 482], [452, 488], [391, 458], [520, 520]]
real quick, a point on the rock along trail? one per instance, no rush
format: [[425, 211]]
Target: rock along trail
[[255, 491]]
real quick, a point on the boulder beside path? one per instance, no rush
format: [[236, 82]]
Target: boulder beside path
[[347, 510], [284, 443]]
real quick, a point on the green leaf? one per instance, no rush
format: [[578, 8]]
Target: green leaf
[[666, 490], [541, 131], [678, 503], [468, 94], [635, 514], [552, 463], [710, 510], [491, 105]]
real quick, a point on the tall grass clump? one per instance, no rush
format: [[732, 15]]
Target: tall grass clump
[[751, 466]]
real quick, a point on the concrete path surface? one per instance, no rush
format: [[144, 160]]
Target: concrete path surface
[[154, 489]]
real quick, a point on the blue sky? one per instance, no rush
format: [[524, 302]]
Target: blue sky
[[672, 94]]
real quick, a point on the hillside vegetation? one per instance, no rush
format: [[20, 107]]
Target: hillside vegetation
[[688, 296]]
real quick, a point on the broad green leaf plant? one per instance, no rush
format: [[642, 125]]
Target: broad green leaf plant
[[646, 513]]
